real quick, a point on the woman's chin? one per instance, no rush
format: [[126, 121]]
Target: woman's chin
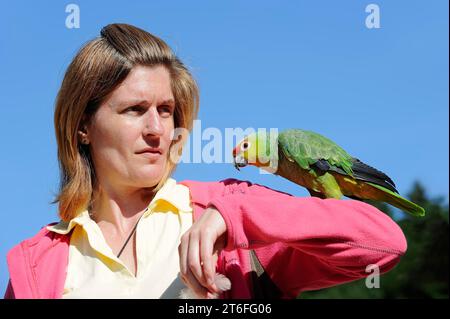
[[148, 175], [150, 179]]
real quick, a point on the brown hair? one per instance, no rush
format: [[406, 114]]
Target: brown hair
[[97, 69]]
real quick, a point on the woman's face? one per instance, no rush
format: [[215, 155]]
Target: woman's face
[[131, 131]]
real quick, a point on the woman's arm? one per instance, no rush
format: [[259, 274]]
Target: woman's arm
[[321, 242]]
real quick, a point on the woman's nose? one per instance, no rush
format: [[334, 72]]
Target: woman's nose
[[153, 124]]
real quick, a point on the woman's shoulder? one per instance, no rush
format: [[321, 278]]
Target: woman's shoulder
[[42, 257], [42, 240]]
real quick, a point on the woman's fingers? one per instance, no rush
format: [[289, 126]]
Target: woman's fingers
[[207, 260], [196, 250], [195, 286], [192, 269], [182, 252], [194, 262]]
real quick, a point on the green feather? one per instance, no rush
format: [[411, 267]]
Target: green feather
[[306, 148], [400, 202]]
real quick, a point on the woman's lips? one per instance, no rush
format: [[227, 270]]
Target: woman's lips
[[150, 153]]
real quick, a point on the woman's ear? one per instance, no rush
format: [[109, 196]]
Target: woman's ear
[[83, 136]]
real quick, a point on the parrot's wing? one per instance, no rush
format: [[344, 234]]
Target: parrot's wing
[[307, 149], [367, 173]]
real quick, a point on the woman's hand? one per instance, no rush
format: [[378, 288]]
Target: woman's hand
[[199, 250]]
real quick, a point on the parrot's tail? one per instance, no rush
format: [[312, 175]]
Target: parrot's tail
[[402, 203]]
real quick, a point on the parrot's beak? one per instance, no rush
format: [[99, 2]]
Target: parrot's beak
[[239, 161]]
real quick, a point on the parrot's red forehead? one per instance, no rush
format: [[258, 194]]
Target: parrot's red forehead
[[235, 150]]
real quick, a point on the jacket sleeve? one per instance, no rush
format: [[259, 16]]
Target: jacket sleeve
[[319, 242]]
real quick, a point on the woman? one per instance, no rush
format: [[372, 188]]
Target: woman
[[128, 230]]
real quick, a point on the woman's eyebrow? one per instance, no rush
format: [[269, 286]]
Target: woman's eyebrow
[[131, 102], [169, 101]]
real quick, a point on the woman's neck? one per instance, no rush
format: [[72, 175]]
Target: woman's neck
[[120, 209]]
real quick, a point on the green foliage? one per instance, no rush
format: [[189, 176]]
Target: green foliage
[[423, 270]]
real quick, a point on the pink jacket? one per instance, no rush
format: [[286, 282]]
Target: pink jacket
[[301, 243]]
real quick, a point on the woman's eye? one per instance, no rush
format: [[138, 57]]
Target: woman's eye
[[134, 109], [165, 110]]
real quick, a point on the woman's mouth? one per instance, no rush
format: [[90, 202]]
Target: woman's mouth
[[150, 152]]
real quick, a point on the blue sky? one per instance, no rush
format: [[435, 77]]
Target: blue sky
[[382, 94]]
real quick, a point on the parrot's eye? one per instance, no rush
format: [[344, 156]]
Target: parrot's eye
[[245, 146]]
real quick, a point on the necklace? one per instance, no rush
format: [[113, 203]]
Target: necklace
[[131, 234]]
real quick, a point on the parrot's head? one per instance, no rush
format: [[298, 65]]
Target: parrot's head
[[258, 149]]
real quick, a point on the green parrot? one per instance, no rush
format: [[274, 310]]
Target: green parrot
[[320, 165]]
